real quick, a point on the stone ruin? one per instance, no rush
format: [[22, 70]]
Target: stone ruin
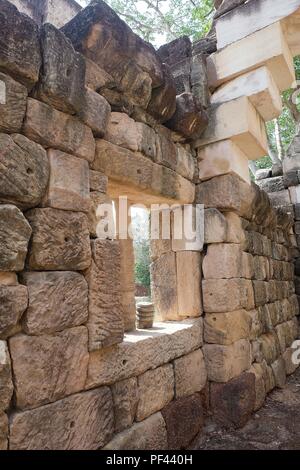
[[92, 112]]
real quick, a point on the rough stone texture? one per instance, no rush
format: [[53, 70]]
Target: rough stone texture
[[68, 187], [155, 389], [144, 350], [105, 323], [54, 129], [98, 181], [60, 240], [96, 199], [14, 108], [232, 403], [190, 118], [164, 286], [184, 420], [150, 434], [6, 385], [227, 261], [95, 112], [235, 229], [125, 400], [223, 363], [97, 78], [260, 389], [8, 279], [227, 295], [81, 422], [15, 233], [20, 48], [57, 300], [24, 171], [215, 226], [57, 366], [190, 374], [166, 152], [188, 266], [162, 104], [186, 163], [3, 431], [226, 328], [62, 77], [279, 372], [13, 303]]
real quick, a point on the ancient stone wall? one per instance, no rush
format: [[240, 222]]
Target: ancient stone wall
[[56, 12]]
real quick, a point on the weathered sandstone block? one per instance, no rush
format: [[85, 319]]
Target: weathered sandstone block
[[188, 266], [155, 389], [6, 385], [164, 286], [223, 363], [125, 132], [190, 374], [3, 431], [8, 279], [268, 377], [215, 226], [62, 78], [95, 112], [227, 295], [54, 129], [290, 365], [57, 366], [24, 171], [232, 403], [184, 420], [227, 261], [142, 351], [55, 235], [68, 187], [186, 163], [98, 181], [14, 108], [20, 53], [260, 388], [235, 228], [270, 347], [226, 328], [57, 300], [260, 289], [150, 434], [97, 78], [165, 152], [15, 233], [95, 214], [162, 105], [125, 400], [190, 119], [81, 422], [105, 322], [13, 303], [279, 372]]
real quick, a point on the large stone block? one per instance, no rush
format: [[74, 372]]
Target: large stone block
[[13, 303], [144, 350], [55, 234], [57, 300], [83, 421], [150, 434], [54, 129], [14, 106], [57, 366], [215, 226], [184, 420], [164, 286], [232, 403], [155, 390], [190, 119], [190, 374], [227, 261], [227, 295], [20, 53], [223, 363], [235, 228], [226, 328], [165, 152], [98, 181], [162, 104], [186, 163], [62, 77], [15, 233], [95, 215], [125, 400], [68, 187], [6, 385], [105, 322], [24, 171], [3, 431], [97, 78], [95, 112], [188, 268]]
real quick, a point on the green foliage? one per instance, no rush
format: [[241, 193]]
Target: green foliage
[[142, 263]]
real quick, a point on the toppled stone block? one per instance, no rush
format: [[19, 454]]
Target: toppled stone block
[[125, 400], [3, 431], [54, 129], [184, 420], [81, 422], [155, 389], [57, 366], [105, 323], [232, 403], [15, 233], [190, 118], [227, 295], [98, 181], [190, 374], [162, 105], [95, 112], [55, 234], [150, 434], [24, 171], [62, 78], [20, 54], [215, 226], [226, 328], [57, 300], [13, 303], [68, 187], [6, 385], [14, 106], [223, 363]]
